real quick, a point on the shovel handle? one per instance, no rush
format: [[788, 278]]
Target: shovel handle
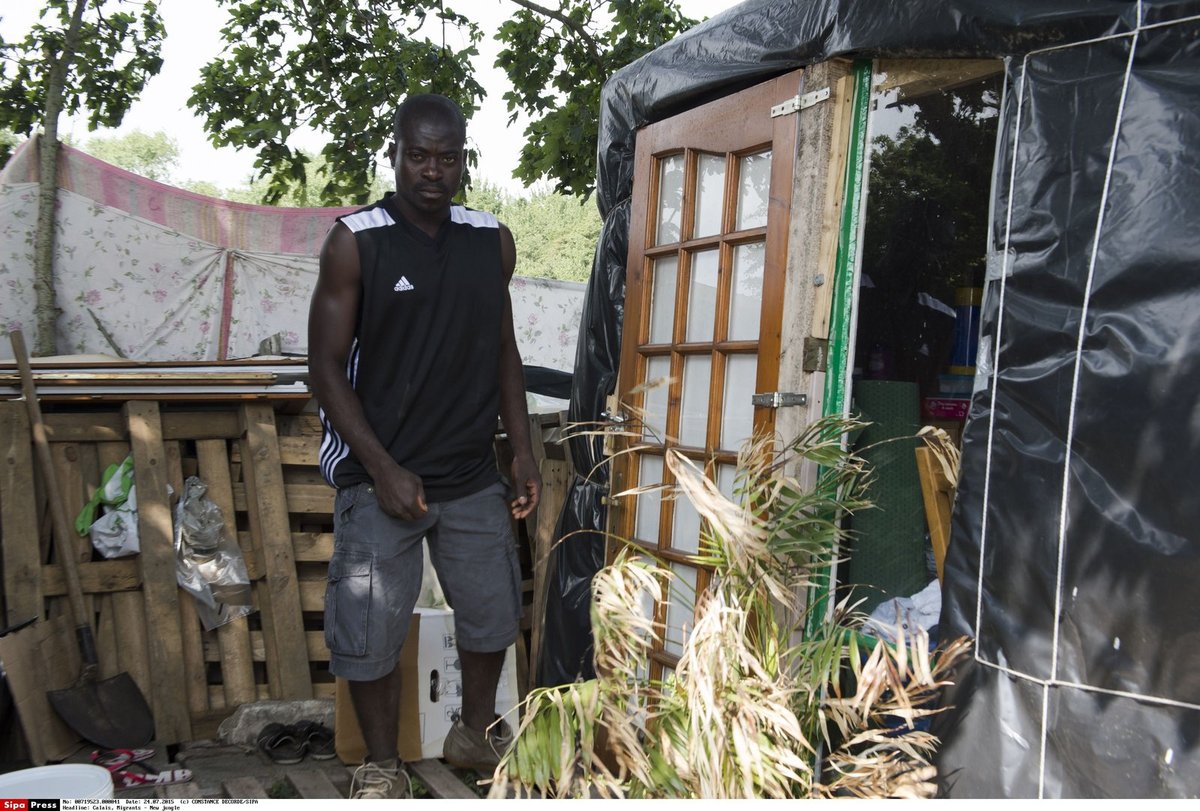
[[63, 533]]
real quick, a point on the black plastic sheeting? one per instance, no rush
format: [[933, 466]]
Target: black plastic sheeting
[[1099, 604], [1126, 610]]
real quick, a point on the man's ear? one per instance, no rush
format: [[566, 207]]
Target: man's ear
[[391, 153]]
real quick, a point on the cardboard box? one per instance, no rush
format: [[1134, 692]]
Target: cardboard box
[[430, 693]]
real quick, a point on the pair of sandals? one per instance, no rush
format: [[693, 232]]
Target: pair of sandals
[[289, 743], [128, 769]]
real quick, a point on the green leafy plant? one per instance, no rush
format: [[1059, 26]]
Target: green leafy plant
[[752, 708]]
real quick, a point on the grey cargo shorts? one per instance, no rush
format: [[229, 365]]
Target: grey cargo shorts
[[375, 577]]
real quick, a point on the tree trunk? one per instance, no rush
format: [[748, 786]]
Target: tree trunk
[[46, 308]]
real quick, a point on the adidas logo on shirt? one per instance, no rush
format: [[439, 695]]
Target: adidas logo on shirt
[[403, 285]]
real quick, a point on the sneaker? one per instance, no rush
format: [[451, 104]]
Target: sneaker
[[468, 749], [384, 780]]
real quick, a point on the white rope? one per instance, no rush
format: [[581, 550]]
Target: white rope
[[1162, 701], [987, 470], [1141, 26], [1083, 316]]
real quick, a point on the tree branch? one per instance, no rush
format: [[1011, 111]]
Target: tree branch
[[584, 34]]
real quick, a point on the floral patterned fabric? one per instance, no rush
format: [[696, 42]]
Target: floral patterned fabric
[[161, 293]]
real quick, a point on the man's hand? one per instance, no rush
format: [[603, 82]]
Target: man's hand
[[401, 493], [527, 481]]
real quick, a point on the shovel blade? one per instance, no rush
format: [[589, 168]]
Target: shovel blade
[[111, 713]]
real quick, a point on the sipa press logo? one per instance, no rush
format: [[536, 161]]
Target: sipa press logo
[[29, 805]]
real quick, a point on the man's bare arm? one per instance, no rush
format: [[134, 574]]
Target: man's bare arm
[[331, 320], [526, 479]]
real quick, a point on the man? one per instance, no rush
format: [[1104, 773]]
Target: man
[[412, 355]]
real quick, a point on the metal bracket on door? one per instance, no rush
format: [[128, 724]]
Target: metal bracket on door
[[797, 103], [778, 399], [615, 419]]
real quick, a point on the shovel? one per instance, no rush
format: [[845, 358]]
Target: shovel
[[112, 712]]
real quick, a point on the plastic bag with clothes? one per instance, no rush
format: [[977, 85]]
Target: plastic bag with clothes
[[115, 533], [209, 564]]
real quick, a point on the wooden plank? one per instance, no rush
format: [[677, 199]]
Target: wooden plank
[[244, 788], [106, 426], [96, 577], [296, 450], [442, 783], [319, 689], [313, 546], [110, 453], [201, 425], [106, 637], [237, 666], [133, 649], [556, 477], [125, 575], [308, 547], [312, 595], [298, 498], [270, 528], [18, 517], [66, 457], [159, 587], [314, 643], [195, 678], [938, 495], [312, 784], [831, 212]]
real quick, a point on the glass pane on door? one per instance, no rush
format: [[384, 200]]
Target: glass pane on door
[[654, 404], [710, 195], [650, 471], [702, 296], [693, 407], [662, 299], [737, 415], [745, 296], [754, 187], [685, 526], [681, 607], [670, 199]]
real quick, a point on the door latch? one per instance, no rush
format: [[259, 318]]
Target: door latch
[[778, 399]]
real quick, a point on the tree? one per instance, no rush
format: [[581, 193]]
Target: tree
[[335, 65], [339, 66], [557, 60], [8, 144], [153, 155], [93, 55], [258, 191], [555, 234]]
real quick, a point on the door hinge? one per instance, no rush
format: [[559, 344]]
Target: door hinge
[[796, 103], [615, 420], [815, 355], [778, 399]]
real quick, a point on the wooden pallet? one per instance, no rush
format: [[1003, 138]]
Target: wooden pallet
[[261, 468]]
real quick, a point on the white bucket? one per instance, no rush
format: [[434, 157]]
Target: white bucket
[[65, 781]]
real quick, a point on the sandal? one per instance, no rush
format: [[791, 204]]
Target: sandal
[[281, 744], [126, 779], [113, 759], [317, 739]]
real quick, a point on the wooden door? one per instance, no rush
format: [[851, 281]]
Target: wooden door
[[704, 304]]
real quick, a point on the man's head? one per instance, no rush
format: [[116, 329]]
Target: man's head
[[428, 155]]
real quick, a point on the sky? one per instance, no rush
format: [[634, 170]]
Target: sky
[[193, 39]]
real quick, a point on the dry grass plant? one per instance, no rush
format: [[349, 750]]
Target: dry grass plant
[[746, 713]]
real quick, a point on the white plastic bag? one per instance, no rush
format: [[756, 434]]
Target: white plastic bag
[[115, 533], [208, 563]]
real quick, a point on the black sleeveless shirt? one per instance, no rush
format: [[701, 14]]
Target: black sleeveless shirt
[[426, 351]]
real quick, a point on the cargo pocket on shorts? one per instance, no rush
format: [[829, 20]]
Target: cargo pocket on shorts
[[348, 603]]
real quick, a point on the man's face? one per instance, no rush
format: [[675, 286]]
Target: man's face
[[428, 158]]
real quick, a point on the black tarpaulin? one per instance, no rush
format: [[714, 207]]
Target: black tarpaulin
[[1074, 500]]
